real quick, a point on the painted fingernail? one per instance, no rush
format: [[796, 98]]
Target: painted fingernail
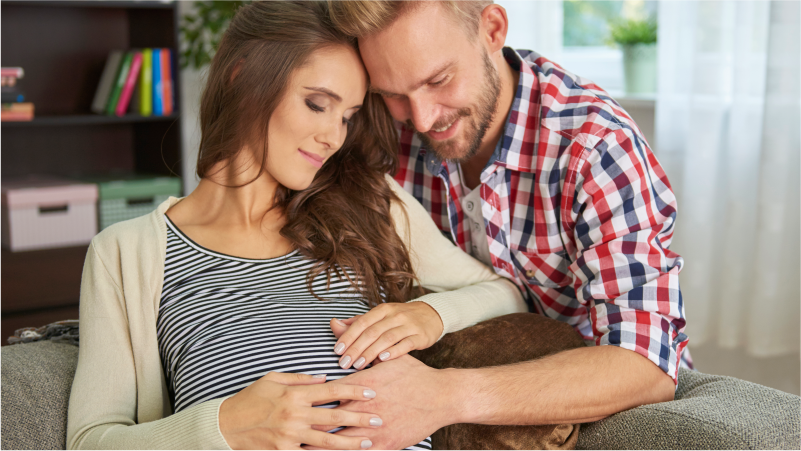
[[359, 363], [376, 421], [384, 355], [366, 444], [319, 376], [369, 394], [340, 322], [344, 362], [339, 348]]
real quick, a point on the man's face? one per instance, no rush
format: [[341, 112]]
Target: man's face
[[435, 79]]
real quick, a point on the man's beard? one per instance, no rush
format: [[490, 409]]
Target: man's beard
[[476, 122]]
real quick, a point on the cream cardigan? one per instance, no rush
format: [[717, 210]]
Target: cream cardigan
[[119, 396]]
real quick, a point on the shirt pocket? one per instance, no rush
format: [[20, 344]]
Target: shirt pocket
[[549, 270]]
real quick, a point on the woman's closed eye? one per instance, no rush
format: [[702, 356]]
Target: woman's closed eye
[[314, 107], [318, 109]]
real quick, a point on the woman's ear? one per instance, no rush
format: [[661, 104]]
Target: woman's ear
[[237, 69]]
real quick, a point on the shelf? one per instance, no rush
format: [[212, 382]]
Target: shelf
[[149, 4], [87, 119], [23, 273]]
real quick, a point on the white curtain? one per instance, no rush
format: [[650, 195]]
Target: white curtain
[[727, 123], [535, 25]]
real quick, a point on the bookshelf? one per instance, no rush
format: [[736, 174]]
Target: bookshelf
[[63, 46]]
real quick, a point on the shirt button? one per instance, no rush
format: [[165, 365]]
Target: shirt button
[[469, 205], [529, 274], [477, 227]]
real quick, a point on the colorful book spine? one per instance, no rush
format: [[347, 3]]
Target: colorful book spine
[[146, 84], [107, 79], [158, 89], [130, 83], [166, 81], [114, 98]]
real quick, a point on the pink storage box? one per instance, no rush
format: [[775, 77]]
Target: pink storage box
[[41, 213]]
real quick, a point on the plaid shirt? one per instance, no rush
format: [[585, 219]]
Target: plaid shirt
[[577, 212]]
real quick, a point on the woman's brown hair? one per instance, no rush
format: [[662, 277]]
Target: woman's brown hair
[[343, 219]]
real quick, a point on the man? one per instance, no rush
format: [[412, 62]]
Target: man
[[540, 174]]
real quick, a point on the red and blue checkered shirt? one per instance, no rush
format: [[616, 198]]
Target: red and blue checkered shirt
[[577, 212]]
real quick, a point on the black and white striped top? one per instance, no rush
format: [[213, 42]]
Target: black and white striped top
[[225, 322]]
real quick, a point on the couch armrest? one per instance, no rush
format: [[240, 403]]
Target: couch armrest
[[36, 382]]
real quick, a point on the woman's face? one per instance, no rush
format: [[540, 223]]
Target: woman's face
[[311, 121]]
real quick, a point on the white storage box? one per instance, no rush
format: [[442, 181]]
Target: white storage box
[[41, 213]]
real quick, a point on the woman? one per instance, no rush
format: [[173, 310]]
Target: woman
[[207, 323]]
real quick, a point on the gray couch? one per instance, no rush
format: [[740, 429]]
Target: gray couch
[[710, 412]]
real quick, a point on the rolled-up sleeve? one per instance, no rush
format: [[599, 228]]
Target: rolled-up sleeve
[[624, 272]]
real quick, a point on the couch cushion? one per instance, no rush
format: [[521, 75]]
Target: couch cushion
[[36, 383], [709, 412]]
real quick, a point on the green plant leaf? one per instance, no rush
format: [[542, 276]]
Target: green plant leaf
[[632, 31], [202, 29]]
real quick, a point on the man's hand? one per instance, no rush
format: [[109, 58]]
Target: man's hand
[[386, 332], [415, 401]]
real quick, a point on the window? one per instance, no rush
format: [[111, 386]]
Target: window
[[574, 34]]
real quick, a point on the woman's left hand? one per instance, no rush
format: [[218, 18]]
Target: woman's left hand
[[386, 332]]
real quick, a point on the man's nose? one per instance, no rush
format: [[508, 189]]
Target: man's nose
[[423, 113]]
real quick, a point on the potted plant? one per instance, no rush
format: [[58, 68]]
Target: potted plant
[[637, 38], [202, 28]]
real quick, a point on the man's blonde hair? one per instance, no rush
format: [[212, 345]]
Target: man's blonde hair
[[364, 18]]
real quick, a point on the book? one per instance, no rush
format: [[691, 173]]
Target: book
[[158, 106], [134, 107], [12, 95], [166, 81], [130, 82], [146, 84], [16, 112], [111, 105], [106, 83]]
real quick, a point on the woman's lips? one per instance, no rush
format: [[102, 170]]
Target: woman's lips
[[315, 160]]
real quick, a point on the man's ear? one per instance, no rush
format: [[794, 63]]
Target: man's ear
[[493, 28]]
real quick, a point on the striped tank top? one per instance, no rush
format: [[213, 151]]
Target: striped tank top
[[224, 322]]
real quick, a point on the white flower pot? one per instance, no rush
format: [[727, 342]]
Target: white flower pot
[[639, 68]]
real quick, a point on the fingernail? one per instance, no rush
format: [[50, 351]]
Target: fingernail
[[319, 376], [376, 421], [366, 444], [340, 322], [339, 348], [369, 394], [344, 362], [384, 355], [358, 364]]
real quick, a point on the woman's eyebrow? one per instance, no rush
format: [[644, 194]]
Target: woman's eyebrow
[[326, 91]]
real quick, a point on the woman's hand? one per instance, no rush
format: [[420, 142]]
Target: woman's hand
[[276, 412], [386, 332]]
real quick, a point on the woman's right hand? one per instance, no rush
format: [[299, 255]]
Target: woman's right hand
[[276, 412]]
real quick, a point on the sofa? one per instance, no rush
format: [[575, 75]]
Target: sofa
[[36, 381]]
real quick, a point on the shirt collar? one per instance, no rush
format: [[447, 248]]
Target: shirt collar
[[510, 146]]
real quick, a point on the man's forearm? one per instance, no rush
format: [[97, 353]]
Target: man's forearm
[[574, 386]]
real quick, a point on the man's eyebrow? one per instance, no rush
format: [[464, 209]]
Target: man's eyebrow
[[434, 74], [325, 91]]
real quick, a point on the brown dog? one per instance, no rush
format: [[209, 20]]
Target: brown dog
[[507, 339]]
